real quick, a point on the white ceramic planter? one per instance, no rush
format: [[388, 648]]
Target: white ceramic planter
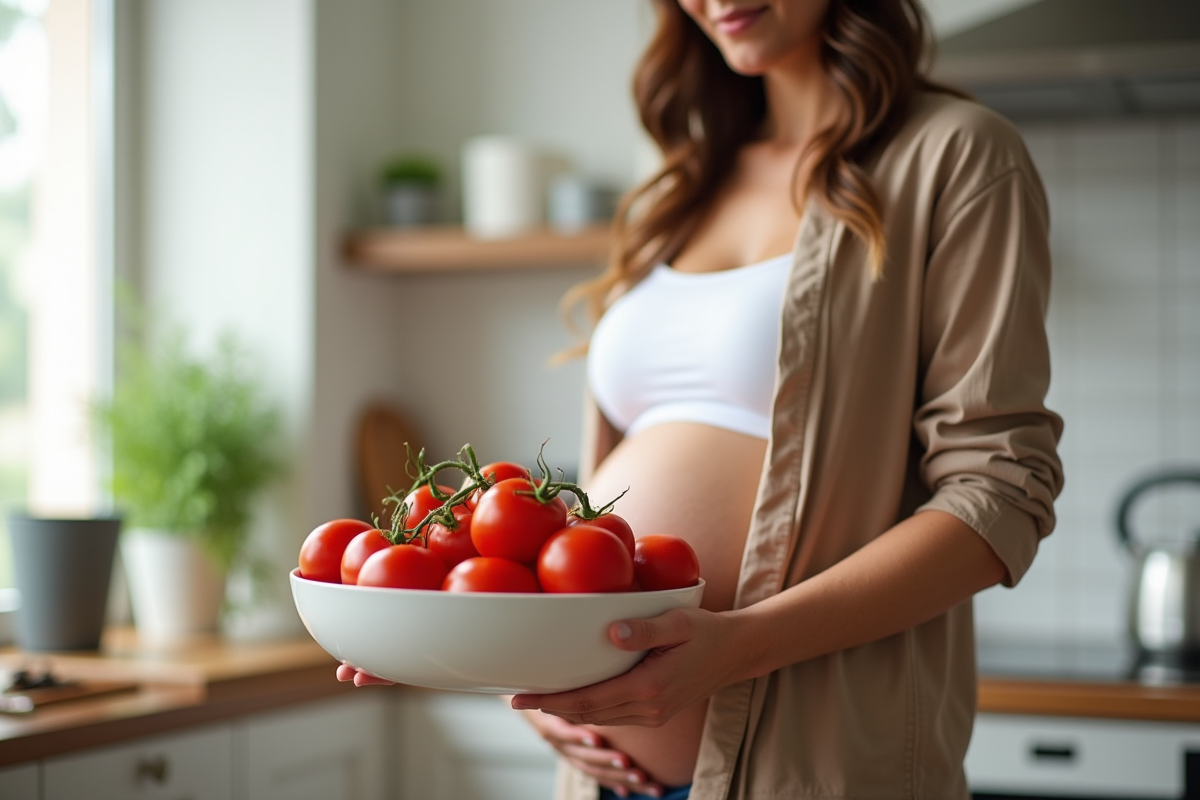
[[175, 587]]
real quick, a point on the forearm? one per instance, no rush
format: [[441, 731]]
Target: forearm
[[915, 571]]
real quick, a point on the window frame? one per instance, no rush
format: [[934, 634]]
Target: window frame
[[107, 65]]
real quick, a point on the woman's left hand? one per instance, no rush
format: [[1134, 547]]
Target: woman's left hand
[[346, 672], [689, 657]]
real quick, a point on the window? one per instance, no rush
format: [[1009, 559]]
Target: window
[[54, 291]]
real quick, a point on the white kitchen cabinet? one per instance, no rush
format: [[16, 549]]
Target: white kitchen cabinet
[[20, 782], [1076, 757], [331, 750], [193, 765], [468, 747]]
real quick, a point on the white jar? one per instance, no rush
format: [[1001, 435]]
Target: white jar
[[503, 187]]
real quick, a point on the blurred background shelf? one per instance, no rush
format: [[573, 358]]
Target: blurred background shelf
[[448, 247]]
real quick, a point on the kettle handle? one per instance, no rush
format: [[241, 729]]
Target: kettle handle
[[1125, 509]]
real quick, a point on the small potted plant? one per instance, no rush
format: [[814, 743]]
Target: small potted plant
[[193, 442], [411, 185]]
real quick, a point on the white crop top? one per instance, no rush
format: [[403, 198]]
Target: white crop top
[[691, 347]]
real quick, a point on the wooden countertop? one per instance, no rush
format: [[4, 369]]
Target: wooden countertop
[[210, 679], [1112, 700], [192, 682]]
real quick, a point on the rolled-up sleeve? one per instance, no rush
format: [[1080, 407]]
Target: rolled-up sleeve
[[990, 444]]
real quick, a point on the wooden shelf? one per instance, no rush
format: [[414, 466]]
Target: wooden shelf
[[441, 248]]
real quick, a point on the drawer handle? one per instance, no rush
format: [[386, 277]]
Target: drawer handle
[[1059, 753], [155, 769]]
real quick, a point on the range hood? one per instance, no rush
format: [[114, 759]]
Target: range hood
[[1078, 59]]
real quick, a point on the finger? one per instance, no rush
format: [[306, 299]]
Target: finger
[[366, 679], [641, 720], [556, 729], [631, 781], [665, 630], [597, 702], [619, 779], [595, 698], [600, 759], [345, 672], [569, 734]]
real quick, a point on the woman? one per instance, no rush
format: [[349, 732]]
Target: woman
[[821, 358], [850, 477]]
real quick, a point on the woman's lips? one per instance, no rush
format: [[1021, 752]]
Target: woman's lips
[[734, 22]]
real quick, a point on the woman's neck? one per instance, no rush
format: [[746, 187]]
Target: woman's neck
[[801, 100]]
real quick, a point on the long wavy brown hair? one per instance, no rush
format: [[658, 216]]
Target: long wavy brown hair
[[700, 113]]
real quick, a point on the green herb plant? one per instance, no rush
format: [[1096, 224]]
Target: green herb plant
[[193, 442], [410, 168]]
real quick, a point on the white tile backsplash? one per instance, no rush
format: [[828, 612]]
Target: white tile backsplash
[[1103, 147], [1186, 135], [1124, 327]]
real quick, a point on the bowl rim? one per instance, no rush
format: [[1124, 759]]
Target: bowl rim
[[295, 575]]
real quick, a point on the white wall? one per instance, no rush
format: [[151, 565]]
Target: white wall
[[224, 207]]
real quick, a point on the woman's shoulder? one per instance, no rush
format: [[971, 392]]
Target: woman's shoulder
[[958, 143], [940, 126]]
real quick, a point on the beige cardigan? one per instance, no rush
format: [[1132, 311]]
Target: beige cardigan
[[921, 391]]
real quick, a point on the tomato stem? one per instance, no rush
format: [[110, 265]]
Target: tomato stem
[[424, 475], [583, 509], [543, 490]]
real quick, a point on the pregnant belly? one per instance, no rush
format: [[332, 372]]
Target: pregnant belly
[[699, 483]]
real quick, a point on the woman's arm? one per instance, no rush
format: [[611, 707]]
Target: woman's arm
[[917, 570]]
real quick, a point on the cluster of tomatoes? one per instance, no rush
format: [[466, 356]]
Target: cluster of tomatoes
[[501, 531]]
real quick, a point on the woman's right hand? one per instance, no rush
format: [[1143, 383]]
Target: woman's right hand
[[588, 752]]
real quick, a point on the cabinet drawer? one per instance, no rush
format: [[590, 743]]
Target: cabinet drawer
[[21, 782], [329, 750], [470, 747], [197, 765], [1079, 757]]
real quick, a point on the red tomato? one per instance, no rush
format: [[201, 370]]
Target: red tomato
[[584, 558], [403, 566], [661, 561], [503, 470], [360, 547], [611, 523], [483, 574], [509, 522], [420, 502], [495, 472], [321, 553], [454, 545]]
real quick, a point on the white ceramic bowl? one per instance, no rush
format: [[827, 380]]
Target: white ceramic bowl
[[478, 641]]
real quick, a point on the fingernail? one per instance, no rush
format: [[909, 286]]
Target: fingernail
[[520, 705], [616, 762], [623, 631], [622, 791], [634, 777], [654, 791]]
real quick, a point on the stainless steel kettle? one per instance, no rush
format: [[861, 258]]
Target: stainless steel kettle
[[1164, 612]]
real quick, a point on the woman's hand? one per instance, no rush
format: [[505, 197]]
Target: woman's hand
[[589, 753], [691, 654], [345, 672]]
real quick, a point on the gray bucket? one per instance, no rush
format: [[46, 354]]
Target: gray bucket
[[63, 568]]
